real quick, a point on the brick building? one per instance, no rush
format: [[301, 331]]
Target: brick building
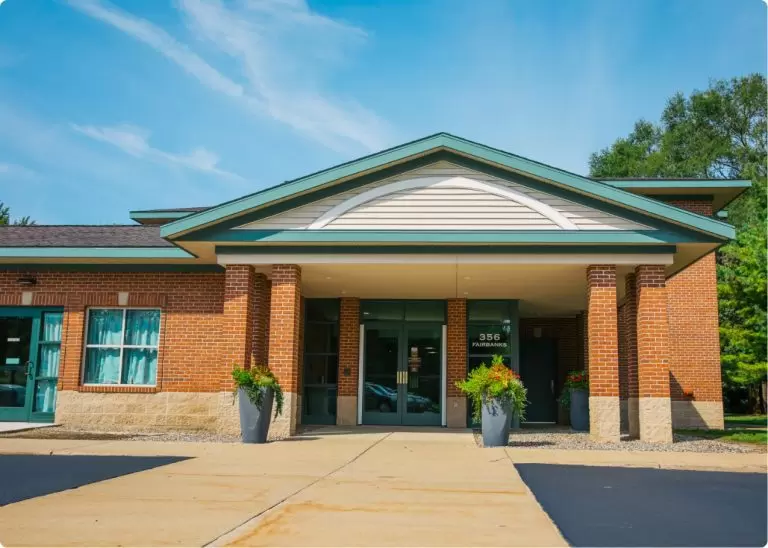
[[369, 289]]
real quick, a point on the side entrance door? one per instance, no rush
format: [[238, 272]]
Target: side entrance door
[[30, 341], [402, 374], [538, 368]]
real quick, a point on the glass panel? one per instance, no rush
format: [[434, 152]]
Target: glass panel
[[52, 322], [322, 310], [142, 327], [381, 310], [102, 366], [320, 369], [424, 368], [139, 365], [105, 326], [381, 359], [425, 311], [45, 396], [489, 339], [49, 360], [488, 311], [15, 336], [321, 338]]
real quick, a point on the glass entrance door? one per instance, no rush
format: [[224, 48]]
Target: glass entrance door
[[15, 367], [402, 374]]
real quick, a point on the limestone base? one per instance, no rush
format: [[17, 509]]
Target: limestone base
[[698, 414], [655, 420], [633, 417], [346, 410], [284, 425], [604, 418], [116, 412], [624, 415], [456, 412]]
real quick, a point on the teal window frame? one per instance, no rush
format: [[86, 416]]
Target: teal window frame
[[122, 346]]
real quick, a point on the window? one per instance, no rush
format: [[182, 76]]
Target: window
[[48, 363], [121, 346]]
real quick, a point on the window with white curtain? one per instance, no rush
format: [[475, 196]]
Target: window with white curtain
[[121, 346]]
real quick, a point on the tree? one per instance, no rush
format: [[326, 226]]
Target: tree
[[716, 133], [5, 217]]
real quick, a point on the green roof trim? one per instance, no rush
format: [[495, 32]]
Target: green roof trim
[[95, 253], [693, 184], [443, 249], [570, 181], [139, 215], [454, 236]]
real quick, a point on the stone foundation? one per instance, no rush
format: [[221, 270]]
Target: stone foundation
[[456, 412], [623, 415], [633, 417], [697, 414], [604, 418], [117, 412], [346, 410], [285, 425], [655, 420]]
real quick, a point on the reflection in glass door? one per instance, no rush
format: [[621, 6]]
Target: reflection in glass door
[[15, 343], [402, 374]]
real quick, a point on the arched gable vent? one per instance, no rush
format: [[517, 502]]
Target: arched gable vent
[[440, 203]]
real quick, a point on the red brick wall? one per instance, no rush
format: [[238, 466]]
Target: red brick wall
[[652, 332], [456, 333], [285, 324], [237, 323], [630, 342], [623, 326], [261, 301], [191, 304], [349, 346], [694, 324], [602, 331]]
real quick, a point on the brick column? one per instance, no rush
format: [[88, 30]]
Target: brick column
[[349, 361], [261, 302], [284, 334], [456, 410], [630, 306], [655, 407], [603, 351], [237, 322]]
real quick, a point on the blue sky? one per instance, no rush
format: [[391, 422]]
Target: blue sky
[[111, 106]]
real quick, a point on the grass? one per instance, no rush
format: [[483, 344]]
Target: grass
[[747, 420], [756, 437]]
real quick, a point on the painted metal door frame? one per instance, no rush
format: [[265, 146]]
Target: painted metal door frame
[[26, 413]]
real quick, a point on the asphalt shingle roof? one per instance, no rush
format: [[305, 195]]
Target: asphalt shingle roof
[[82, 236]]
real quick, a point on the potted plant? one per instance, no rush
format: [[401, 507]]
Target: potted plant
[[497, 394], [575, 397], [256, 387]]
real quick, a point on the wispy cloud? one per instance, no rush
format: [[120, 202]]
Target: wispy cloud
[[135, 141], [283, 50], [16, 171]]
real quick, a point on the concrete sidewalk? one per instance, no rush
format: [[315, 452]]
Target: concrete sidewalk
[[343, 489]]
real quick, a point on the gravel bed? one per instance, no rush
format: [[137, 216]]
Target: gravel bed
[[567, 439], [62, 433]]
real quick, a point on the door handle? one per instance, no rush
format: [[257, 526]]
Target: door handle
[[552, 385], [28, 368]]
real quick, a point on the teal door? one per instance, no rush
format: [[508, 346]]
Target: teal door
[[30, 340], [402, 366], [538, 369]]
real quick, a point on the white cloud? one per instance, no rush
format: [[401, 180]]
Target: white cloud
[[283, 49], [15, 170], [135, 141]]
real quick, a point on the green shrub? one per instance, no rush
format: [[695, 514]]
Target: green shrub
[[496, 382], [253, 380]]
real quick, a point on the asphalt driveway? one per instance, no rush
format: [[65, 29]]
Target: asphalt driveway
[[608, 506]]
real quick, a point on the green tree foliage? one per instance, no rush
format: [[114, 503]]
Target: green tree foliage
[[716, 133], [5, 217]]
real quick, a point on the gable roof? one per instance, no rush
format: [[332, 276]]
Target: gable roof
[[82, 236], [463, 147]]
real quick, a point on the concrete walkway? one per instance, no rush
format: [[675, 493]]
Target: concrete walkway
[[339, 489]]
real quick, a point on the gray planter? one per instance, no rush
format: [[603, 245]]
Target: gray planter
[[496, 420], [579, 410], [254, 422]]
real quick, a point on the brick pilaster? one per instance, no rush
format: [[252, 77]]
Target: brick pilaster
[[655, 409], [349, 361], [237, 322], [456, 411], [603, 352], [284, 335], [261, 302], [630, 306]]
